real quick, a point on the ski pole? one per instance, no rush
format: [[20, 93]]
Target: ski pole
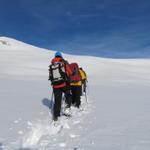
[[52, 101], [86, 97], [52, 95], [86, 91]]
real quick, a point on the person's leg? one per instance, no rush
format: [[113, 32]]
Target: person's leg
[[84, 86], [57, 103], [78, 96], [67, 92], [76, 93], [73, 92]]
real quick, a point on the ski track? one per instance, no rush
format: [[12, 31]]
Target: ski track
[[42, 135]]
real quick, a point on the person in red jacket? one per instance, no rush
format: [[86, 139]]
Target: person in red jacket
[[59, 74]]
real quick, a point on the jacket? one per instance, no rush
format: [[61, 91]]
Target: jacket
[[79, 83]]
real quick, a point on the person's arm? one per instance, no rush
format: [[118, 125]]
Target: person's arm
[[50, 75]]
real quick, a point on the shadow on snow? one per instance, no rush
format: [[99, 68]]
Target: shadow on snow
[[48, 103], [1, 146]]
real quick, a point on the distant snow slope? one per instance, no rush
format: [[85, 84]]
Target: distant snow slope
[[115, 118]]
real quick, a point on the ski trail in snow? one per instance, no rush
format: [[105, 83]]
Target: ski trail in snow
[[43, 134], [38, 131]]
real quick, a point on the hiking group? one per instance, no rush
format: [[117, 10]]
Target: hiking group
[[67, 79]]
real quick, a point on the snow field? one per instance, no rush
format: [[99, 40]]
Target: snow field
[[115, 118]]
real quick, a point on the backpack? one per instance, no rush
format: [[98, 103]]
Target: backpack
[[83, 74], [57, 73], [76, 77]]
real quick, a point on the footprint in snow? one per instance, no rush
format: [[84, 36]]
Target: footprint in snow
[[20, 132], [62, 145], [73, 135], [29, 123], [76, 122], [66, 126], [16, 121]]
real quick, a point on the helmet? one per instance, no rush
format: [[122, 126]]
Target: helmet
[[58, 54]]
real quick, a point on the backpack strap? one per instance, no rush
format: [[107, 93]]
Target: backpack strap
[[50, 72]]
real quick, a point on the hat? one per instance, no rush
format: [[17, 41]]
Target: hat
[[58, 54]]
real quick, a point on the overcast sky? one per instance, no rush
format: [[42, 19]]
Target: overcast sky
[[107, 28]]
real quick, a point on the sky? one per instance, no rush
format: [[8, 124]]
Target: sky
[[105, 28]]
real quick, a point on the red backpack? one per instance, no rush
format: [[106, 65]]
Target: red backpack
[[75, 73]]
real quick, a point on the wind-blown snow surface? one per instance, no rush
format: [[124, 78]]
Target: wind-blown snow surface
[[115, 118]]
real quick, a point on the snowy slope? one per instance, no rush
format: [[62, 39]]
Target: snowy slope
[[115, 118]]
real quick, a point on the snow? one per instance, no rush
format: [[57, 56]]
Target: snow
[[116, 116]]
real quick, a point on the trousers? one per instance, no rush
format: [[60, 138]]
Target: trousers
[[58, 99]]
